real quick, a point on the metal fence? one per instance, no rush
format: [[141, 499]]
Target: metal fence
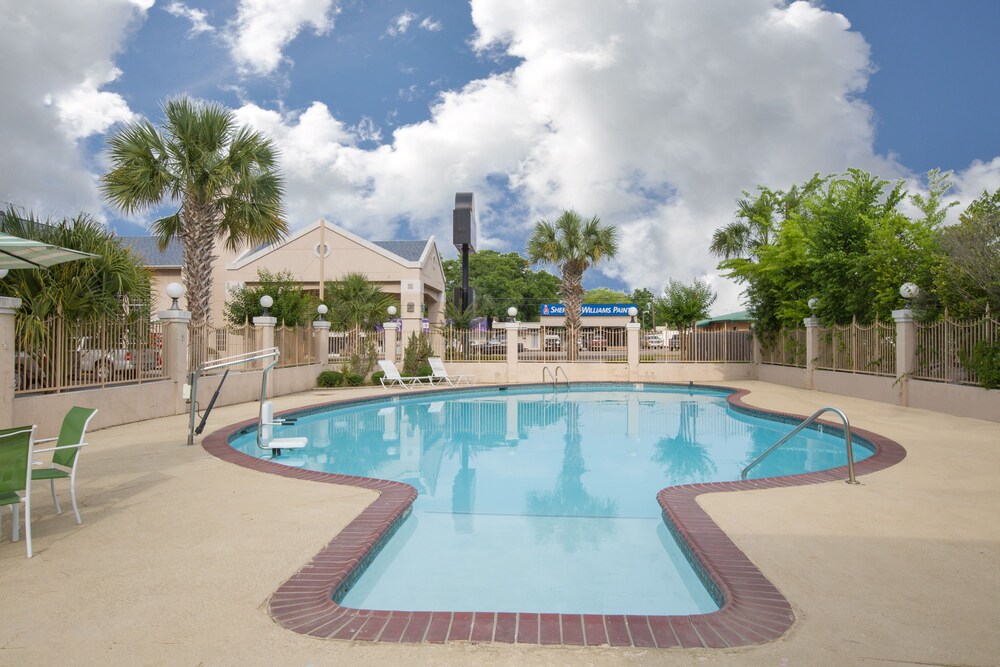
[[857, 348], [697, 346], [553, 344], [947, 350], [297, 345], [208, 343], [787, 349], [53, 356], [346, 344], [452, 344]]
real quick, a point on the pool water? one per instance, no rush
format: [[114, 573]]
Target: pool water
[[537, 501]]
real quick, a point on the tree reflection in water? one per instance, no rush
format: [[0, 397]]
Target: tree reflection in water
[[683, 458], [571, 499]]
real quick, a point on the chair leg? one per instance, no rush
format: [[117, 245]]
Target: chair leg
[[27, 522], [72, 495], [55, 501], [15, 517]]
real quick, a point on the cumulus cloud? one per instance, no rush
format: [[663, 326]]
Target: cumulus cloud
[[197, 17], [263, 28], [53, 97]]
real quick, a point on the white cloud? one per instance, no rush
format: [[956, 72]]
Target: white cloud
[[53, 97], [400, 24], [197, 17], [430, 24], [367, 130], [263, 28]]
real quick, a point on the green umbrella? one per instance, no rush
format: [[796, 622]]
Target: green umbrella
[[18, 253]]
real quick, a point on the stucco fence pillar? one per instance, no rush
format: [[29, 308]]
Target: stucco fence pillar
[[391, 338], [812, 349], [906, 351], [512, 340], [321, 336], [175, 351], [8, 356], [632, 347]]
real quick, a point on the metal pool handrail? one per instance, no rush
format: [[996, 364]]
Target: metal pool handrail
[[555, 375], [810, 420]]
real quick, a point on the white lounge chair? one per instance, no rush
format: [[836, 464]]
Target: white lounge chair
[[391, 376], [441, 373]]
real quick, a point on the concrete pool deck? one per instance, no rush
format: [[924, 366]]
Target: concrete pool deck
[[179, 553]]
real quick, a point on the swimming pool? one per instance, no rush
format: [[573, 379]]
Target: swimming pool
[[545, 502]]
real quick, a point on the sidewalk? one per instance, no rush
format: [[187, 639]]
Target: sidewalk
[[179, 552]]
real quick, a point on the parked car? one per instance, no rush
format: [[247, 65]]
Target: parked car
[[597, 344], [493, 346], [654, 341], [109, 364], [30, 370], [675, 342], [553, 343]]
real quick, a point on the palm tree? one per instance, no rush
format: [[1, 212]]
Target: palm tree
[[222, 175], [113, 284], [356, 303], [574, 246]]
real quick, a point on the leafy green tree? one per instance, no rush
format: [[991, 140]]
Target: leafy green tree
[[646, 302], [418, 351], [293, 306], [574, 246], [605, 295], [845, 242], [684, 304], [222, 176], [969, 273], [356, 303], [116, 283], [502, 280]]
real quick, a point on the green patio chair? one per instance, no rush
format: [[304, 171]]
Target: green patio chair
[[15, 477], [66, 454]]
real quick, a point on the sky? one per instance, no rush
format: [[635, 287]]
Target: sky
[[653, 115]]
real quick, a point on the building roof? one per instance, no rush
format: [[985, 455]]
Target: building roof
[[411, 251], [146, 248], [739, 316]]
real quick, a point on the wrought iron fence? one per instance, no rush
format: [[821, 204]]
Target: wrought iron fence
[[53, 355], [453, 344], [345, 345], [857, 348], [788, 348], [715, 346], [955, 351], [208, 343], [296, 345]]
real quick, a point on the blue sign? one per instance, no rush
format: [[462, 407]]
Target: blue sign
[[588, 309]]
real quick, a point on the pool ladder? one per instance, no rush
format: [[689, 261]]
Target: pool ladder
[[810, 420], [555, 375]]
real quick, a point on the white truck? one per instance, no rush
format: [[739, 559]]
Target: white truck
[[103, 365]]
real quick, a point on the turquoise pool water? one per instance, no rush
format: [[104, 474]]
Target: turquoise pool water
[[530, 500]]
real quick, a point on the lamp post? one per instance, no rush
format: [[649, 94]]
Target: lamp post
[[322, 310], [512, 314], [632, 312], [266, 302], [175, 291], [392, 311]]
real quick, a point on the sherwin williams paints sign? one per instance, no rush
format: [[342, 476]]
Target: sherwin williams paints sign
[[588, 309]]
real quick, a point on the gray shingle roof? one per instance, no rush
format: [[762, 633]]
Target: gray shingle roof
[[145, 247], [408, 250]]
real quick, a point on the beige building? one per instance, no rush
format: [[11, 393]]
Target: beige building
[[322, 251]]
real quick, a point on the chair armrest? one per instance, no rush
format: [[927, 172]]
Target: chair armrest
[[52, 449], [37, 440]]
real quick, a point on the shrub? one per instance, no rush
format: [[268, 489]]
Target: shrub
[[424, 371], [418, 349], [330, 379], [354, 379], [377, 377], [985, 363]]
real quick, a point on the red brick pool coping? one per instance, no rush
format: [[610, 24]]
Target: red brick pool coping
[[753, 611]]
